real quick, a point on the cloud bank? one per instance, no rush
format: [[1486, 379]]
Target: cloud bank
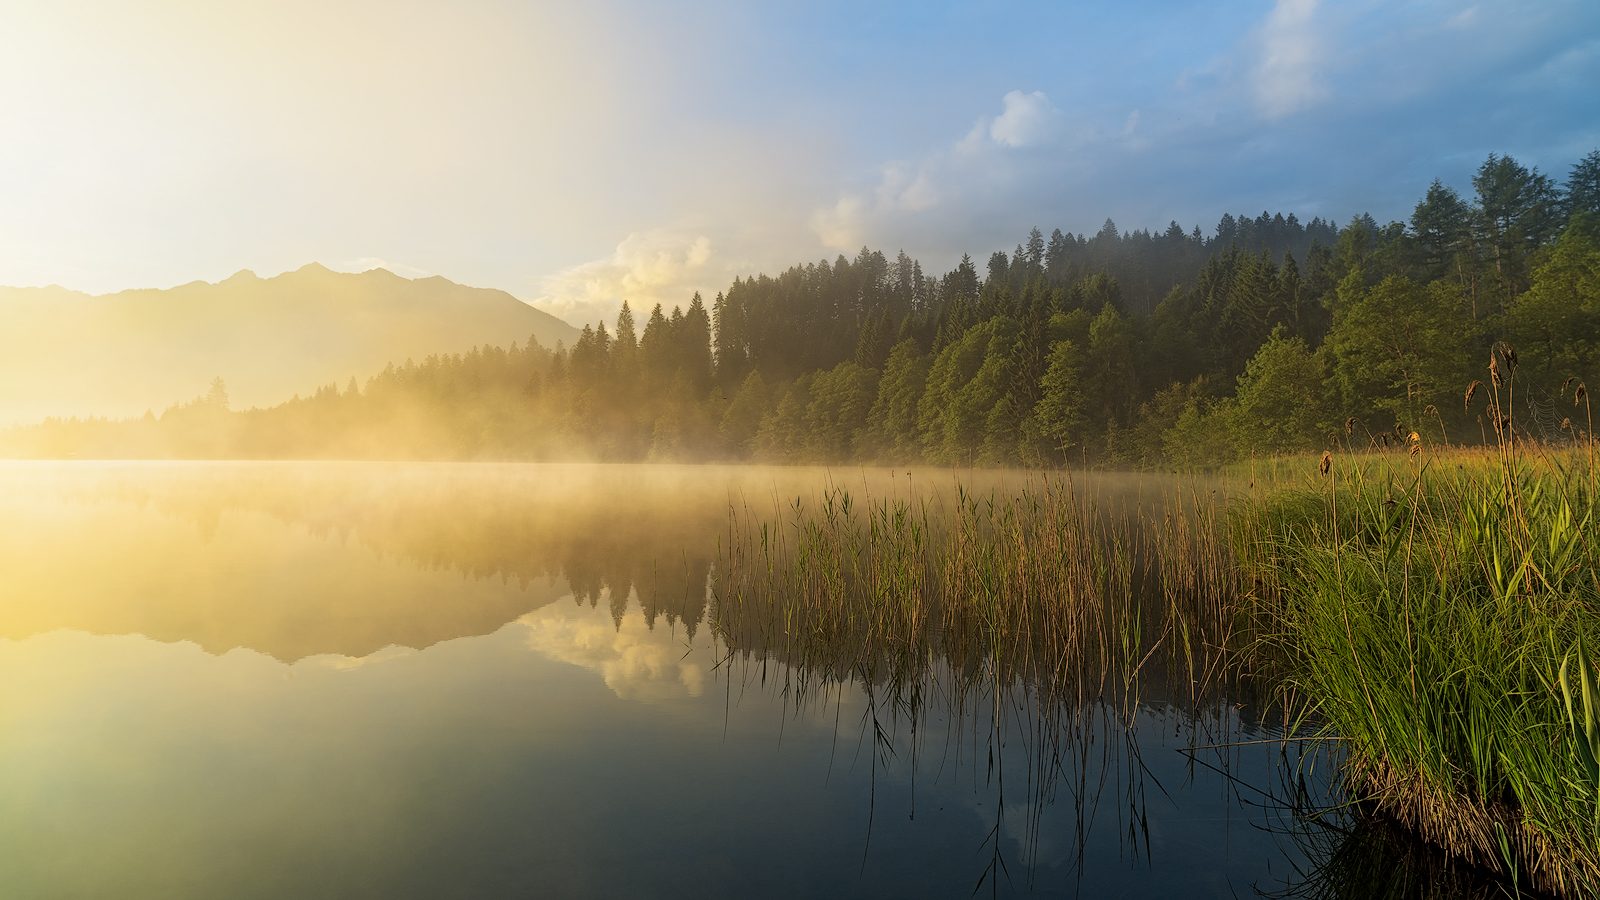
[[661, 266], [578, 156]]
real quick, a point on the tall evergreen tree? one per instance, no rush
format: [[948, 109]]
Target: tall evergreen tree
[[1583, 186]]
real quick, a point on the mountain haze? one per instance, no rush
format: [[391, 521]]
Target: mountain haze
[[66, 353]]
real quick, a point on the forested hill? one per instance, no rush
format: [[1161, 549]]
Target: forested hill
[[66, 353], [1040, 358], [835, 304]]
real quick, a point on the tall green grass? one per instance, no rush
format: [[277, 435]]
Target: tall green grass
[[1050, 585], [1420, 607]]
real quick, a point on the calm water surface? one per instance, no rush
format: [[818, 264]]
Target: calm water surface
[[351, 680]]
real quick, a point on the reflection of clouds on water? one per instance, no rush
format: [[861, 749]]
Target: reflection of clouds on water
[[637, 663], [342, 663]]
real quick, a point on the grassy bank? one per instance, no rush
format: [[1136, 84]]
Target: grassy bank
[[1421, 607]]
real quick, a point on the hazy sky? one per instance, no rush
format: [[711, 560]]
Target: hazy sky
[[575, 155]]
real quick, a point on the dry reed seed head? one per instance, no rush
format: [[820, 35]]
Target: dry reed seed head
[[1416, 448], [1472, 391], [1350, 425], [1568, 383], [1327, 462], [1580, 395], [1566, 424], [1414, 438], [1511, 358], [1494, 372]]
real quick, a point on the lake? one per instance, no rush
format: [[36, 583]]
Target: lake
[[474, 680]]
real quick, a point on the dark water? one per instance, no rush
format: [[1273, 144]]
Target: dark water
[[324, 680]]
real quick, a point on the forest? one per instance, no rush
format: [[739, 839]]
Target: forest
[[1135, 350]]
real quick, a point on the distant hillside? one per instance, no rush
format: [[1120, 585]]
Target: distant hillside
[[65, 353]]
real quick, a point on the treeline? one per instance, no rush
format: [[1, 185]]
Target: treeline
[[1132, 349]]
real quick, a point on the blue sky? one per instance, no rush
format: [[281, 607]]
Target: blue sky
[[578, 155]]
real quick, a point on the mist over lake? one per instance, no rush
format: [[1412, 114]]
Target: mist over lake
[[354, 680]]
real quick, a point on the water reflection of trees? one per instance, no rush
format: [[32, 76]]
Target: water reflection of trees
[[598, 531], [648, 534]]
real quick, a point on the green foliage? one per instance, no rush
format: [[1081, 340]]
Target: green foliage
[[837, 413], [1202, 436], [1558, 318], [1400, 347], [1583, 186], [1060, 413], [965, 383], [892, 423], [782, 435], [742, 418], [1584, 720], [1279, 407]]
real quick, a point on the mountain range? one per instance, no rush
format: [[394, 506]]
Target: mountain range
[[66, 353]]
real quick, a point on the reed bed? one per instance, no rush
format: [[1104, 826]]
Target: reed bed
[[1033, 619], [1048, 586]]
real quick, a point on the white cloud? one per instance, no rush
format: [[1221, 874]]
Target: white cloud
[[906, 188], [978, 168], [1286, 73], [1028, 119], [839, 226], [659, 266]]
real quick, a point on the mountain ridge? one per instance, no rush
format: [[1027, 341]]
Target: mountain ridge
[[69, 353]]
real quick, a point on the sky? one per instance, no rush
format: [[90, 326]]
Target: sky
[[577, 155]]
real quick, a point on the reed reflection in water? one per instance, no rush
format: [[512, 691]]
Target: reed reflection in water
[[375, 680]]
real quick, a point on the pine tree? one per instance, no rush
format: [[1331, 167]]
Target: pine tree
[[1439, 223], [694, 346], [1583, 186], [1035, 251]]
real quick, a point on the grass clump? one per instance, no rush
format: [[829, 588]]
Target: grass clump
[[1421, 607]]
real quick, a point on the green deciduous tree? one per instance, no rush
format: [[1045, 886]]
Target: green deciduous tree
[[1555, 324], [1279, 405], [1399, 347]]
